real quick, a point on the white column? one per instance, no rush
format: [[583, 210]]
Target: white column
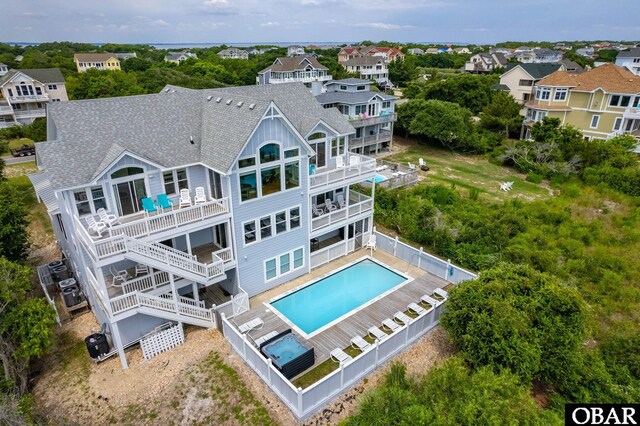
[[188, 243], [117, 341], [174, 291], [194, 288]]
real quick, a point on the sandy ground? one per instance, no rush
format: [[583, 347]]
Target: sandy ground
[[173, 388]]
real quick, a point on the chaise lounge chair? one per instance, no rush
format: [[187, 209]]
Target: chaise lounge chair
[[442, 293], [402, 317], [359, 343], [262, 339], [254, 324], [429, 300], [338, 355], [376, 333], [390, 325], [414, 307]]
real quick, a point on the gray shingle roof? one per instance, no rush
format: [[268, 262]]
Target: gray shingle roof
[[363, 60], [633, 53], [294, 63], [537, 71], [91, 134], [350, 97], [351, 81], [43, 75]]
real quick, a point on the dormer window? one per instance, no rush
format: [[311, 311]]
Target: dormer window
[[361, 87]]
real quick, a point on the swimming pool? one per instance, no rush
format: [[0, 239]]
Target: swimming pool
[[317, 306], [378, 178]]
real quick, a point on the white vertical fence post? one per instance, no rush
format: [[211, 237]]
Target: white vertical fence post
[[299, 402], [377, 346], [269, 370], [446, 273], [420, 257], [341, 374], [244, 345], [395, 246]]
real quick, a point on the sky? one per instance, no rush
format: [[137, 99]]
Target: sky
[[227, 21]]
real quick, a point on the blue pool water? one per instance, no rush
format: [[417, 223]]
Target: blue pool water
[[316, 305], [285, 349], [377, 178]]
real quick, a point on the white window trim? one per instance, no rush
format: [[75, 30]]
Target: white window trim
[[597, 118], [616, 121], [175, 180], [258, 228], [292, 267], [559, 91], [90, 200]]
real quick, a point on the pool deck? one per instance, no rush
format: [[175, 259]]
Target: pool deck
[[357, 324]]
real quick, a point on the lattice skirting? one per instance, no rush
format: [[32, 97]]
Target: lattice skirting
[[164, 338]]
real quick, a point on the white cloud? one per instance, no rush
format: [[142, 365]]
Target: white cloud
[[309, 3], [216, 3], [382, 25], [477, 30], [270, 24]]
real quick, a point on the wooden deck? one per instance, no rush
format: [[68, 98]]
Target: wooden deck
[[340, 335]]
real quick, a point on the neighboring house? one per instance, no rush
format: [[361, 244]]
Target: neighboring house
[[520, 79], [562, 46], [250, 148], [571, 66], [505, 51], [371, 113], [537, 55], [347, 53], [3, 69], [587, 52], [485, 63], [389, 54], [462, 50], [177, 57], [602, 102], [295, 50], [305, 70], [630, 59], [26, 93], [254, 51], [125, 56], [369, 67], [99, 61], [432, 51], [19, 58], [233, 53], [415, 51]]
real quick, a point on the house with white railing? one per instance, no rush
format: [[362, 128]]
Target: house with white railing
[[296, 69], [25, 94], [178, 206], [371, 113]]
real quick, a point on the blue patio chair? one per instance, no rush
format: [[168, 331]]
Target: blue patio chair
[[312, 169], [164, 202], [148, 206]]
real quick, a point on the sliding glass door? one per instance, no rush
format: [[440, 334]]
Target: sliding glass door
[[128, 196]]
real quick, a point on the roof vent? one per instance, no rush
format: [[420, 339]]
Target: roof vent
[[166, 90], [239, 104], [229, 101], [218, 100], [252, 106], [209, 98]]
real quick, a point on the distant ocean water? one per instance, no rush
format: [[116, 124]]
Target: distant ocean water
[[186, 45]]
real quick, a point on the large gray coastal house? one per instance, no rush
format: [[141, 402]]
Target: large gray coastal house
[[260, 178]]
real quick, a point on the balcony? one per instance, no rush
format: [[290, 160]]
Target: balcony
[[632, 112], [307, 77], [380, 137], [29, 98], [30, 113], [383, 118], [5, 109], [357, 204], [357, 168]]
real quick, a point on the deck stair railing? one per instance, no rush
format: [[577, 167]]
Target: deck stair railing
[[162, 256], [185, 308]]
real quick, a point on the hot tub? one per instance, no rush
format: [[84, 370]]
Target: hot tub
[[290, 356]]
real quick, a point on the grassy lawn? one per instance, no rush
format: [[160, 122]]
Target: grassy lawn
[[17, 143], [468, 172]]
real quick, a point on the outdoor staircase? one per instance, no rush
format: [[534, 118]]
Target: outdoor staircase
[[185, 310], [164, 258]]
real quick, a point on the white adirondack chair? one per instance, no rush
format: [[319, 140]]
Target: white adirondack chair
[[95, 226], [106, 218], [339, 162], [185, 198], [200, 197]]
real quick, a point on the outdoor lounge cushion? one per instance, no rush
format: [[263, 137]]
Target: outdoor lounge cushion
[[338, 355], [254, 324]]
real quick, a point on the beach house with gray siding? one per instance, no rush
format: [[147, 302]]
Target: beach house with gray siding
[[279, 188]]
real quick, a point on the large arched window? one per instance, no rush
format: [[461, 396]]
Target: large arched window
[[127, 171], [269, 152]]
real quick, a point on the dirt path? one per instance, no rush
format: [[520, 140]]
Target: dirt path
[[201, 382]]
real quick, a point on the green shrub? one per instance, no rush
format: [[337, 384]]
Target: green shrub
[[534, 177]]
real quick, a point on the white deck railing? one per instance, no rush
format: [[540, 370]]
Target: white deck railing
[[146, 282], [327, 254], [357, 121], [185, 307], [366, 166], [425, 261], [226, 254], [171, 219], [166, 255], [305, 402], [358, 203]]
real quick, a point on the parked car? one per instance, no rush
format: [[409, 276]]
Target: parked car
[[24, 150]]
